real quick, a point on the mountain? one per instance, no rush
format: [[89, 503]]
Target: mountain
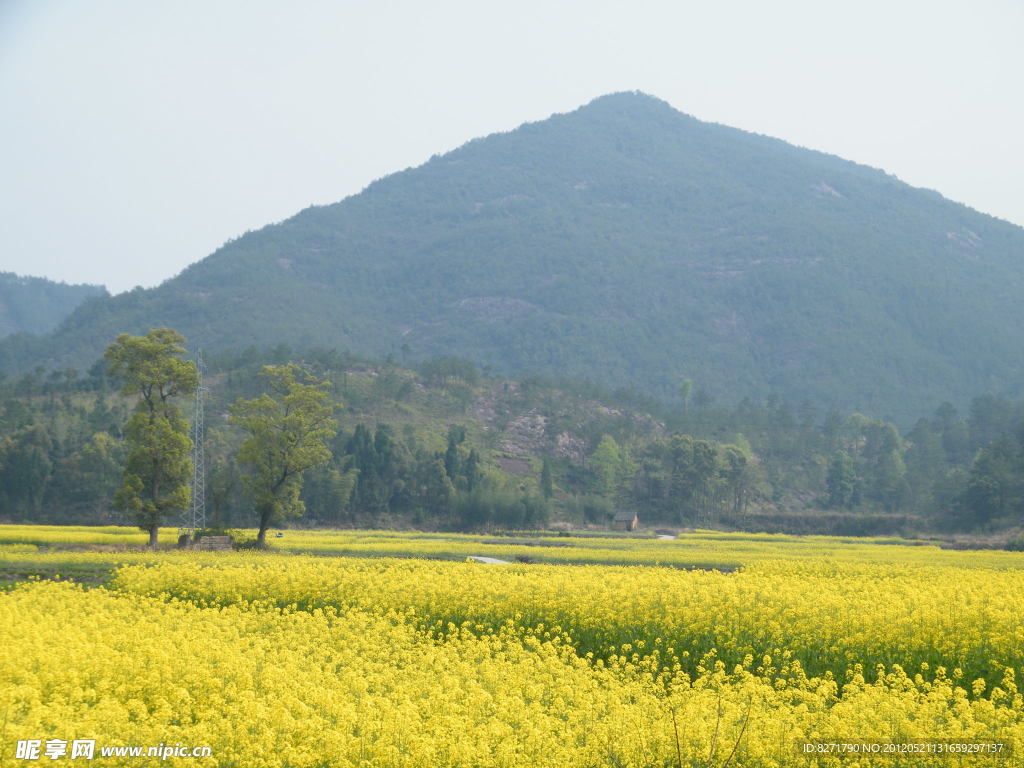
[[37, 305], [631, 244]]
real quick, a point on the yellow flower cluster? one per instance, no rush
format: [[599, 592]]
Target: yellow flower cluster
[[826, 617], [264, 686], [704, 549], [80, 535]]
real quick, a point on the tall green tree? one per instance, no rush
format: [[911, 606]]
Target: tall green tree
[[92, 474], [841, 481], [472, 470], [995, 488], [288, 431], [605, 463], [743, 476], [547, 485], [158, 466], [25, 469]]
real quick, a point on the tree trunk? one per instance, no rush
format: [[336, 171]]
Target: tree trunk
[[261, 537], [154, 536]]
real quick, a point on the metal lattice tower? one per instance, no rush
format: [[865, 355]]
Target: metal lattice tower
[[194, 518]]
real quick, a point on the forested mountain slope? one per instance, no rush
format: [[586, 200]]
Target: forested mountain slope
[[630, 244]]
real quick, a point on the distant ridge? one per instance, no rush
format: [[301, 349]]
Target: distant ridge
[[631, 244], [37, 305]]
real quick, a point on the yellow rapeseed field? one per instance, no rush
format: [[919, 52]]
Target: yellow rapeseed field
[[705, 549], [294, 660], [826, 617]]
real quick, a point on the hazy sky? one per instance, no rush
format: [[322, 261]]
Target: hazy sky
[[136, 136]]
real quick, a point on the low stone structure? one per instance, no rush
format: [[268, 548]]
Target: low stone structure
[[213, 542], [626, 520]]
